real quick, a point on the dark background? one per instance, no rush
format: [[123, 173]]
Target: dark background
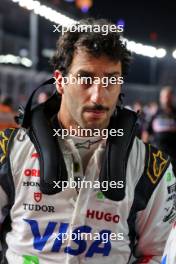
[[148, 22]]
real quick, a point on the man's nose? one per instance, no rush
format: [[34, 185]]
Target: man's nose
[[97, 94]]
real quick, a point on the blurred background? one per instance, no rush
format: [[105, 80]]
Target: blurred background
[[27, 42]]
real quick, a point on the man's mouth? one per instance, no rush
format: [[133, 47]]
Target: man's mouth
[[95, 113]]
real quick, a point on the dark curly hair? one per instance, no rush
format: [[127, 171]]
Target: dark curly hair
[[96, 43]]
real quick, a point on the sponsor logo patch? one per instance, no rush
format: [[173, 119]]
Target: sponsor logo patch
[[172, 188], [36, 207], [32, 172], [4, 138], [169, 176], [30, 259], [157, 164], [37, 196], [100, 196], [170, 217], [108, 217], [164, 260], [31, 184], [41, 236]]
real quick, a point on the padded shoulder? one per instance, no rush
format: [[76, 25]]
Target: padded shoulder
[[5, 137], [156, 163]]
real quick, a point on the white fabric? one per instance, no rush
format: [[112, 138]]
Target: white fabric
[[73, 209]]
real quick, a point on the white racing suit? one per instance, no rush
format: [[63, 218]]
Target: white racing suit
[[38, 220]]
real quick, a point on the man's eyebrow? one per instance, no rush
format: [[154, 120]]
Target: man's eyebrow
[[84, 72], [90, 73], [112, 73]]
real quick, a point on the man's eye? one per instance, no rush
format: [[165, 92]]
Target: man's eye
[[85, 79], [113, 80]]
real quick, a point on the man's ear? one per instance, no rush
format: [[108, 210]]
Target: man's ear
[[58, 82]]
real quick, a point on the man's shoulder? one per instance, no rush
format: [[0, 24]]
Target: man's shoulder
[[150, 161], [153, 164], [137, 153], [6, 136], [156, 163], [13, 141], [139, 146]]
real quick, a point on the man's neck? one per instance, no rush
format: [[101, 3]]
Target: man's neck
[[70, 125]]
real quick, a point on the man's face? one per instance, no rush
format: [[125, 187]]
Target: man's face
[[89, 105], [166, 98]]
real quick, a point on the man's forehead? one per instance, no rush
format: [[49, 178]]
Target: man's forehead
[[84, 60]]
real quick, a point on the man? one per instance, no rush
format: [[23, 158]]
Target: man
[[162, 126], [126, 224]]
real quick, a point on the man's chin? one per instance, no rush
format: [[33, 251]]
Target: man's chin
[[96, 124]]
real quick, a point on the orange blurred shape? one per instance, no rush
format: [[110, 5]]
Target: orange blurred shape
[[7, 117], [84, 3]]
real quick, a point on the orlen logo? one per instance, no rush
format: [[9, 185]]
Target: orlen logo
[[32, 172], [102, 215]]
